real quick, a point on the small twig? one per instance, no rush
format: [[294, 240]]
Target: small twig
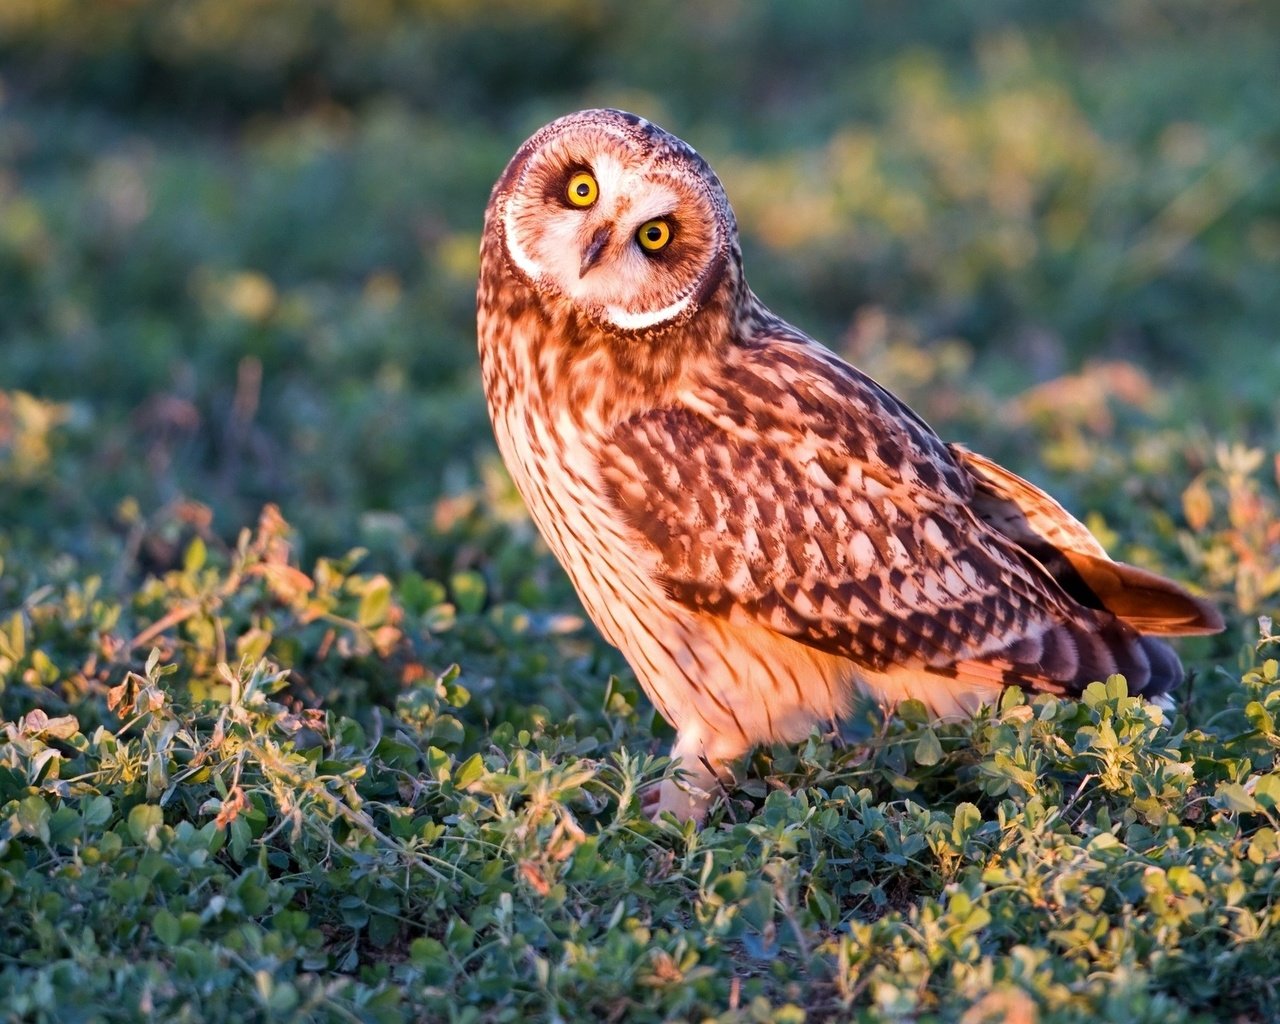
[[162, 624]]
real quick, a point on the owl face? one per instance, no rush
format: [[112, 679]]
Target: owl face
[[611, 213]]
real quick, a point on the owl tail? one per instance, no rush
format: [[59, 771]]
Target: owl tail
[[1069, 553], [1064, 659], [1069, 656], [1147, 602]]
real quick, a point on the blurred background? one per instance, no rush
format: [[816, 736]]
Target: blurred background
[[238, 250]]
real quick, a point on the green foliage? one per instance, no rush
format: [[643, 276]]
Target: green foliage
[[1088, 859], [373, 765]]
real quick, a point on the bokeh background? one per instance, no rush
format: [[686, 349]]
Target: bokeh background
[[238, 246]]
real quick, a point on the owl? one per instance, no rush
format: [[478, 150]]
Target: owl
[[762, 529]]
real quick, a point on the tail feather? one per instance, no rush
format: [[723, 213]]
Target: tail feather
[[1063, 660], [1148, 602], [1068, 657]]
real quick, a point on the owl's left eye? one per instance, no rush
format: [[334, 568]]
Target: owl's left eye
[[582, 190], [654, 235]]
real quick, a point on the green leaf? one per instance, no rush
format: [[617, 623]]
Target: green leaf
[[1260, 718], [417, 594], [65, 825], [283, 998], [196, 554], [383, 930], [469, 591], [928, 749], [469, 771], [1267, 791], [33, 816], [166, 927], [964, 822], [1234, 797], [144, 821], [96, 811], [424, 952], [13, 637], [374, 602], [253, 895], [438, 763], [730, 886], [12, 784]]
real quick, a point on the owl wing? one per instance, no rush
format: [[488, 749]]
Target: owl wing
[[795, 491]]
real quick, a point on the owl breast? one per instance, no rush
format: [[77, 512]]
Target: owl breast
[[550, 455]]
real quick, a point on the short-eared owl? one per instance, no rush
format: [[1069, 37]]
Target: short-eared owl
[[757, 525]]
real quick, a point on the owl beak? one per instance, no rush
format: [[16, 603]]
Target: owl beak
[[591, 254]]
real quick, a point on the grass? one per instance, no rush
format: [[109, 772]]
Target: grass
[[299, 721]]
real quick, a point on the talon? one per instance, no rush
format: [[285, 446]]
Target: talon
[[685, 801]]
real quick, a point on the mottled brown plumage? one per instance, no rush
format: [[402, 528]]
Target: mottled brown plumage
[[758, 526]]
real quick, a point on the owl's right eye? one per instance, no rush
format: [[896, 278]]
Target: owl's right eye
[[582, 190]]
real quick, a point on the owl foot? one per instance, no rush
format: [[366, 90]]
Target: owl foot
[[698, 781], [684, 800]]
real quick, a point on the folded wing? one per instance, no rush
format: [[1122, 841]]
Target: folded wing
[[794, 492], [1025, 514]]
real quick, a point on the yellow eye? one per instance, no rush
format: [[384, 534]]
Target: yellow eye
[[654, 235], [582, 190]]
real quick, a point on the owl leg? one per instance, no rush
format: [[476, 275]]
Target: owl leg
[[700, 778]]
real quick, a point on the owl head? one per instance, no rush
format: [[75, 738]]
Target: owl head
[[622, 220]]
